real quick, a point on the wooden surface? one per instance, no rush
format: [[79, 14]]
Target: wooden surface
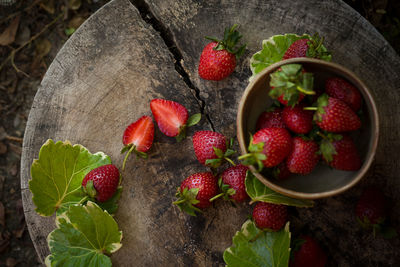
[[108, 71]]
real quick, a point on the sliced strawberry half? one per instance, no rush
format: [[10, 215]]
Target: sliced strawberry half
[[172, 118], [138, 138]]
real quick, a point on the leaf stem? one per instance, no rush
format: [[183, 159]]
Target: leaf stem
[[305, 91], [83, 200]]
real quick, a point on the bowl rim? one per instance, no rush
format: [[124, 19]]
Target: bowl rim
[[367, 95]]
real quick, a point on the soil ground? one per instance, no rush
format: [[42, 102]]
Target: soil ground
[[31, 34]]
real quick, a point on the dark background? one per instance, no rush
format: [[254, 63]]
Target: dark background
[[37, 30]]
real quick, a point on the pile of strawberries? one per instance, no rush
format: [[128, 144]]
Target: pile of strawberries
[[304, 126]]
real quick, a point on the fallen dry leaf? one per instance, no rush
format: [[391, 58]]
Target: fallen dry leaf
[[11, 262], [2, 215], [20, 232], [8, 35], [3, 148], [48, 5], [43, 47], [75, 22], [74, 4]]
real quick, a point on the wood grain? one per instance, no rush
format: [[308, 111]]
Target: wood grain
[[108, 71]]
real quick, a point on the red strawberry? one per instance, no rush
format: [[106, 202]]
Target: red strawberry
[[218, 59], [269, 119], [290, 83], [268, 147], [172, 118], [333, 115], [211, 148], [195, 192], [372, 207], [308, 253], [308, 47], [138, 137], [341, 153], [303, 156], [101, 183], [341, 89], [297, 119], [232, 183], [270, 216], [281, 171]]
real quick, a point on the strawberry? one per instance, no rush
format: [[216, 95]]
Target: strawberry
[[211, 148], [196, 191], [307, 253], [268, 216], [372, 211], [343, 90], [307, 47], [371, 207], [270, 118], [333, 115], [303, 157], [290, 83], [102, 182], [281, 171], [340, 152], [138, 138], [268, 147], [297, 119], [172, 118], [232, 183], [218, 59]]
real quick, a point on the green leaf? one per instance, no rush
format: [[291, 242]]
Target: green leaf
[[111, 205], [69, 31], [254, 247], [193, 120], [273, 50], [58, 173], [327, 150], [257, 191], [83, 236]]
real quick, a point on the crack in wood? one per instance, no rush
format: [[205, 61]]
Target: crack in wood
[[166, 36]]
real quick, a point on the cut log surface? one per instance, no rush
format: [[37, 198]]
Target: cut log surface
[[127, 54]]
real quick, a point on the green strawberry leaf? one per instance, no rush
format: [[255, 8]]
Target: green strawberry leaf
[[58, 173], [193, 120], [257, 191], [327, 150], [186, 200], [254, 247], [273, 50], [83, 236]]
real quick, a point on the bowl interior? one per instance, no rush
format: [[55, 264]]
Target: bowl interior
[[323, 181]]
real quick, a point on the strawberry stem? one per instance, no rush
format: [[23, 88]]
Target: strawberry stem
[[216, 196], [230, 161], [306, 92], [126, 156], [310, 108], [245, 156], [83, 200]]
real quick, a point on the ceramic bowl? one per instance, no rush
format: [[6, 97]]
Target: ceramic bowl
[[323, 181]]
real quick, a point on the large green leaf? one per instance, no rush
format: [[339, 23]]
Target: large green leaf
[[83, 236], [254, 247], [58, 173], [260, 192]]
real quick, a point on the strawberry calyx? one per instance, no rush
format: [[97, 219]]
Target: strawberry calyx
[[321, 103], [192, 120], [132, 148], [215, 163], [326, 147], [230, 40], [255, 155], [316, 49], [226, 191], [89, 189], [290, 81], [187, 199]]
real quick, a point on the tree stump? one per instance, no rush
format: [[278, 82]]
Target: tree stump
[[125, 55]]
